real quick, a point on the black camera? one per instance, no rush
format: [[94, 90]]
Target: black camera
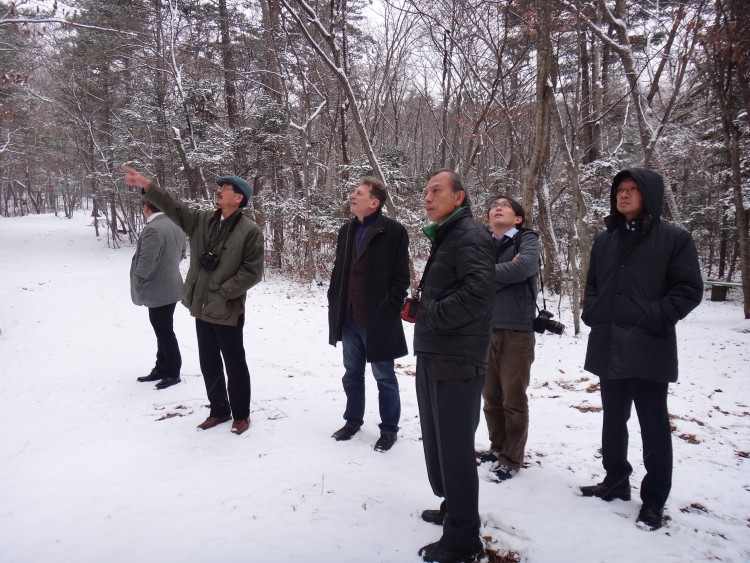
[[544, 322], [209, 260]]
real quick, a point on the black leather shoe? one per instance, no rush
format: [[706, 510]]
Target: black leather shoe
[[153, 376], [168, 382], [650, 517], [606, 492], [344, 433], [385, 442], [439, 553], [425, 550], [433, 517]]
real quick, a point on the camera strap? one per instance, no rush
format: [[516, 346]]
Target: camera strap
[[516, 248], [216, 234]]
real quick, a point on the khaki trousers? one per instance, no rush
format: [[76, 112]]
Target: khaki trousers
[[506, 406]]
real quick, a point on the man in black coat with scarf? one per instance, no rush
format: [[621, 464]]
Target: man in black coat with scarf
[[451, 342], [368, 286], [643, 277]]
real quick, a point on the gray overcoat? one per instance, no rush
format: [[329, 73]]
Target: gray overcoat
[[155, 278]]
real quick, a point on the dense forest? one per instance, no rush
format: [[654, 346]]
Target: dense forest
[[542, 100]]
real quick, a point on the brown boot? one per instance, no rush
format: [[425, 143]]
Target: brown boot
[[240, 425], [212, 421]]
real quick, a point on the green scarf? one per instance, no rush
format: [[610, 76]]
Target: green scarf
[[431, 229]]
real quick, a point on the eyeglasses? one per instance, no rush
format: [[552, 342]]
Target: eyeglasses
[[225, 187], [503, 204], [627, 191]]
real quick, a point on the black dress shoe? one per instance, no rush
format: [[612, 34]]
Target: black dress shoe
[[650, 517], [607, 492], [153, 376], [440, 553], [385, 442], [433, 517], [344, 433], [168, 382]]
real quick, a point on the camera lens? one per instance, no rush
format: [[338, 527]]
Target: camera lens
[[555, 328]]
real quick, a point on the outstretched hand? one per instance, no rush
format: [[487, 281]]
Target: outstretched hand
[[134, 178]]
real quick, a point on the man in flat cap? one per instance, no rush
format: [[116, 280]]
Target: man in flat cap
[[226, 260]]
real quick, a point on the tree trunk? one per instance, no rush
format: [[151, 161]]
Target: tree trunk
[[531, 175]]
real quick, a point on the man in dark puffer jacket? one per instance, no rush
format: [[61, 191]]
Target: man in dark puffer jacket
[[451, 342], [643, 277]]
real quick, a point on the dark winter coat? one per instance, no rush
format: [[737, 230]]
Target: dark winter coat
[[455, 313], [639, 284], [155, 278], [216, 296], [515, 282], [383, 265]]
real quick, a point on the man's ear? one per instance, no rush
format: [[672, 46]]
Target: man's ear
[[460, 197]]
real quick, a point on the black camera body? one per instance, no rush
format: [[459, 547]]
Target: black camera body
[[544, 322], [209, 260]]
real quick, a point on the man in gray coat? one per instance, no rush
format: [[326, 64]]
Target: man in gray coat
[[156, 282]]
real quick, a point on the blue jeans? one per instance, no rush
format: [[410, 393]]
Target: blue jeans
[[354, 343]]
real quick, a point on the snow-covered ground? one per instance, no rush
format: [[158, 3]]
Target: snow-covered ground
[[97, 467]]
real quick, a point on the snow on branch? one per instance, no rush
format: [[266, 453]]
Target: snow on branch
[[61, 21]]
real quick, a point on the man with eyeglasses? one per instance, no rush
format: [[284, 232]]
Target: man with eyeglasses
[[506, 406], [226, 260], [643, 278]]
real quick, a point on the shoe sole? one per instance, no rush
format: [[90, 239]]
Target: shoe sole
[[427, 557], [168, 386], [608, 498]]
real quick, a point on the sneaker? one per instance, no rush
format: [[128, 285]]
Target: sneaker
[[168, 382], [212, 421], [344, 433], [486, 457], [607, 492], [433, 517], [502, 472], [439, 553], [240, 425], [153, 376], [650, 517], [385, 442]]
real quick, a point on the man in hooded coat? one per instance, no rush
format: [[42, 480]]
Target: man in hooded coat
[[643, 278]]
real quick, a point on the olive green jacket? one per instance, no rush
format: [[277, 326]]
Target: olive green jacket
[[216, 296]]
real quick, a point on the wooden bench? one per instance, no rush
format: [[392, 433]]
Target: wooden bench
[[719, 288]]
